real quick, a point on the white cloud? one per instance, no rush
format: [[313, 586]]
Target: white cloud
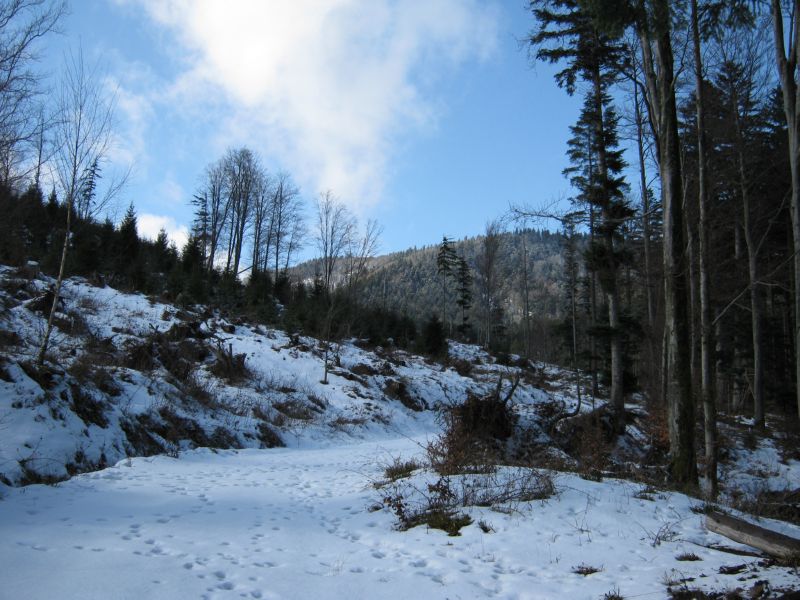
[[150, 225], [133, 111], [172, 193], [325, 86]]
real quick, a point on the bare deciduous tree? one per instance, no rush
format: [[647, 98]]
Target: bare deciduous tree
[[83, 136], [334, 232], [22, 24], [242, 176], [361, 249], [286, 212]]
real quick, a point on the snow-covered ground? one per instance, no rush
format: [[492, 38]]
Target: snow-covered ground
[[289, 523], [307, 520]]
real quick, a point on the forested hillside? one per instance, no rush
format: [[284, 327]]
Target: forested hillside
[[410, 282]]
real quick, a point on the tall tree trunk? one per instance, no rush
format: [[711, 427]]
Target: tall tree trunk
[[787, 67], [57, 289], [706, 341], [756, 306], [592, 314], [279, 225], [693, 282], [617, 398], [526, 298], [658, 68], [646, 228]]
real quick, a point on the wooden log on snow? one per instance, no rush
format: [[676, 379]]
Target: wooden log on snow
[[773, 543]]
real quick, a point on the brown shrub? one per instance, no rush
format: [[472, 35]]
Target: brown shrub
[[229, 366], [463, 367], [90, 410], [398, 390], [268, 437], [295, 409], [364, 369], [588, 438], [140, 356], [474, 433]]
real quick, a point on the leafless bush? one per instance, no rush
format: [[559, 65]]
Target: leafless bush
[[587, 438], [200, 390], [295, 409], [397, 389], [463, 367], [342, 423], [399, 469], [474, 433], [268, 437], [88, 408], [229, 366]]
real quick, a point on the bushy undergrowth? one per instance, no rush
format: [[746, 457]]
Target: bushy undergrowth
[[475, 433], [463, 467]]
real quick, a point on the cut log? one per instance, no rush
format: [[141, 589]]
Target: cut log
[[773, 543]]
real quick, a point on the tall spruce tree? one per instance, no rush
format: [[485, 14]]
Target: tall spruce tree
[[464, 291], [128, 263], [446, 262], [568, 33]]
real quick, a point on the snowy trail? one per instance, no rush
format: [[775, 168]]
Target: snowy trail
[[295, 523], [277, 524]]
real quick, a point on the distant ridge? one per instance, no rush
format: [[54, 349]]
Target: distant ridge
[[407, 281]]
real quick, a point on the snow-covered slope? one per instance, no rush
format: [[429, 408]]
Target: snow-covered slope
[[128, 376]]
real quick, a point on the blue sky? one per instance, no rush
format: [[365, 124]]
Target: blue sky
[[426, 116]]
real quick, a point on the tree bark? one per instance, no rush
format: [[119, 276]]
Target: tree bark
[[756, 310], [56, 290], [706, 341], [772, 542], [661, 86], [646, 233], [787, 67]]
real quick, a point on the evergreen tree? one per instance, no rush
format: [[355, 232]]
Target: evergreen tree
[[87, 190], [446, 261], [191, 279], [163, 254], [464, 290], [434, 340], [201, 225], [128, 237], [128, 261], [569, 33]]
